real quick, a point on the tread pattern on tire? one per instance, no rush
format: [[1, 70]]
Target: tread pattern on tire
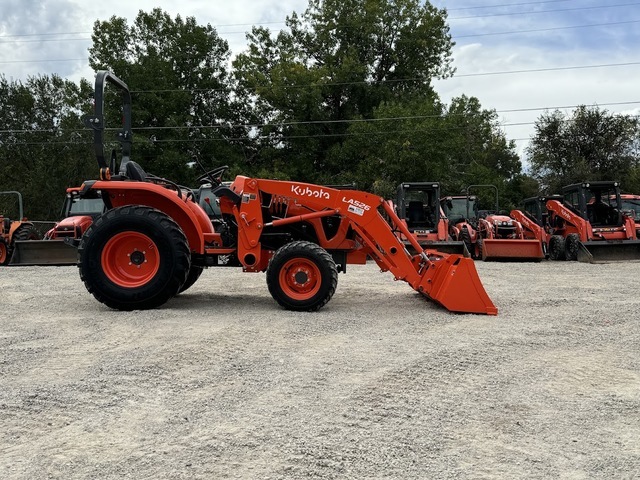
[[307, 250], [91, 273], [556, 248]]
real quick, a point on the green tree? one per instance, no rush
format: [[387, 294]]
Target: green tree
[[338, 61], [589, 144], [43, 147], [183, 107], [423, 139]]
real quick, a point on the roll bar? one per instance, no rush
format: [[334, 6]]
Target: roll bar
[[96, 122]]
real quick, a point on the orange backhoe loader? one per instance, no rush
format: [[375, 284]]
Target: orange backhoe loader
[[589, 225], [13, 231], [154, 240], [417, 204]]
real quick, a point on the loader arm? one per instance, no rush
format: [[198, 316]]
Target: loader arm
[[530, 229], [450, 280]]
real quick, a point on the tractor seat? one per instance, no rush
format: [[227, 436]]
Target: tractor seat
[[135, 172], [415, 212]]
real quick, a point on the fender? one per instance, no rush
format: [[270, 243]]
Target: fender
[[193, 221]]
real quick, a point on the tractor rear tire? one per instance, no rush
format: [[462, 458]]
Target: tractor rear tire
[[4, 253], [572, 246], [302, 276], [192, 277], [556, 247], [134, 258], [26, 231]]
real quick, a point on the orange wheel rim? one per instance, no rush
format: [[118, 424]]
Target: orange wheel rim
[[130, 259], [300, 279], [3, 252]]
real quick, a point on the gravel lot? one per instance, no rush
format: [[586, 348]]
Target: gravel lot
[[381, 383]]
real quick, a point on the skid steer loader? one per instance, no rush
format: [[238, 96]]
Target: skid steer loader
[[154, 240], [417, 204], [589, 225]]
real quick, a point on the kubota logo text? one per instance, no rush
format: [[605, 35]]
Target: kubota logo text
[[309, 192]]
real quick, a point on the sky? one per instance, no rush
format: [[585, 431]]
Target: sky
[[519, 57]]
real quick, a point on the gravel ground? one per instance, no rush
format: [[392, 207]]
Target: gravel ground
[[381, 383]]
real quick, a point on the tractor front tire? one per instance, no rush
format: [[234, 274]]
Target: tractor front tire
[[572, 246], [302, 276], [556, 247], [134, 258]]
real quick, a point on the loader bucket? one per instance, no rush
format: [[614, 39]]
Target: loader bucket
[[517, 250], [43, 252], [609, 251], [453, 282], [450, 247]]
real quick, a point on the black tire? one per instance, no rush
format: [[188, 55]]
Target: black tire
[[556, 248], [26, 231], [4, 253], [148, 276], [192, 277], [465, 236], [302, 276], [479, 246], [572, 246]]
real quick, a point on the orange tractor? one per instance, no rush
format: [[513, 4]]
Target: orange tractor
[[12, 231], [60, 242], [154, 240], [489, 235], [501, 237], [418, 206], [589, 225]]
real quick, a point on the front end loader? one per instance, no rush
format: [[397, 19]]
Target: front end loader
[[589, 225], [154, 239]]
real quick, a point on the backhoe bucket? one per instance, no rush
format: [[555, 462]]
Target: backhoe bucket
[[453, 282], [513, 249], [609, 251], [43, 252]]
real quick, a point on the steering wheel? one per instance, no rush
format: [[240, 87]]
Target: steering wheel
[[214, 176]]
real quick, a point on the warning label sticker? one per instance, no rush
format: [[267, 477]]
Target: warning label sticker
[[356, 210]]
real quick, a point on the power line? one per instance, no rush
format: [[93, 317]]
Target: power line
[[506, 5], [512, 32], [544, 11], [355, 120]]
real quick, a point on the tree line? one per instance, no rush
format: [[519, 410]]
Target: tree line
[[343, 94]]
